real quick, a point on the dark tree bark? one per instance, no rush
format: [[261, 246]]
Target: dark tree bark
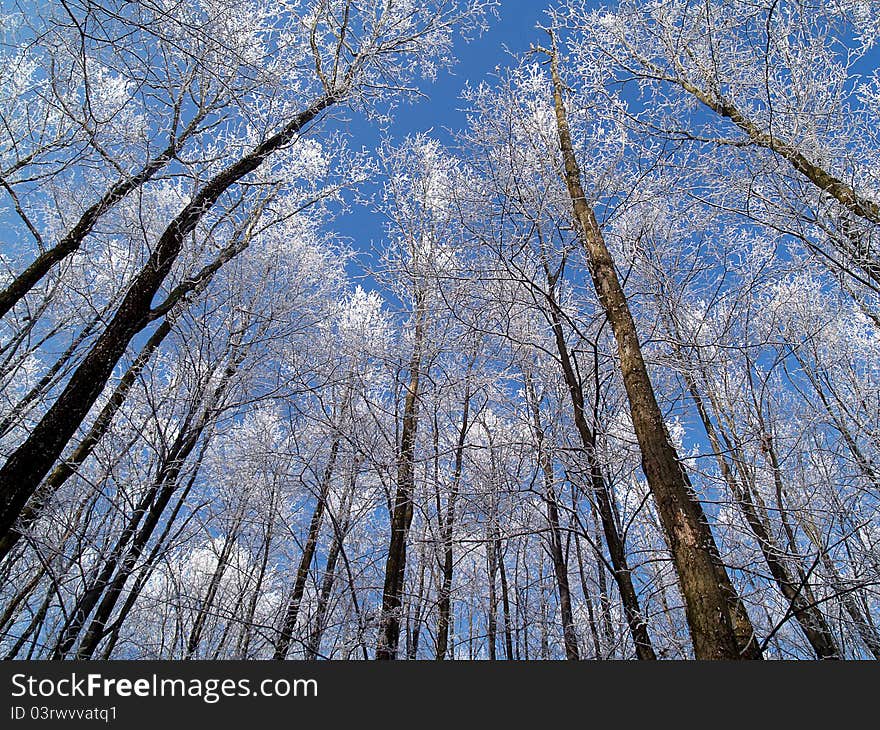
[[505, 601], [719, 626], [444, 603], [557, 555], [588, 599], [414, 633], [246, 635], [285, 635], [31, 461], [169, 310], [842, 192], [97, 629], [146, 571], [492, 571], [61, 473], [402, 511]]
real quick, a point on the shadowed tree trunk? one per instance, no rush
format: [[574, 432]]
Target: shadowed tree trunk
[[402, 511], [415, 632], [121, 562], [557, 556], [492, 570], [719, 626], [245, 636], [31, 461], [588, 598], [282, 645], [170, 309], [145, 572], [865, 629], [448, 523]]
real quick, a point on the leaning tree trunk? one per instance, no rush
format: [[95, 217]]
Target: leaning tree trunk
[[145, 573], [285, 635], [61, 473], [402, 512], [448, 523], [247, 630], [31, 461], [73, 239], [171, 309], [621, 571], [719, 626], [866, 631], [557, 555]]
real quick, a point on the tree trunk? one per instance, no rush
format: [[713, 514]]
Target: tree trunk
[[719, 627], [588, 599], [412, 650], [244, 639], [61, 473], [402, 513], [31, 461], [505, 602], [72, 240], [557, 556], [491, 571], [145, 572], [282, 645], [448, 523]]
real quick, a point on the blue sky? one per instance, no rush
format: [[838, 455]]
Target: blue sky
[[511, 32]]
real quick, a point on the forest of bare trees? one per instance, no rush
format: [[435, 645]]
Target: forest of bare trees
[[607, 386]]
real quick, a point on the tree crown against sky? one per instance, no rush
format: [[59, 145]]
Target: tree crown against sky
[[358, 328]]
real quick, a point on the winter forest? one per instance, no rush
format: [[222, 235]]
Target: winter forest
[[593, 373]]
